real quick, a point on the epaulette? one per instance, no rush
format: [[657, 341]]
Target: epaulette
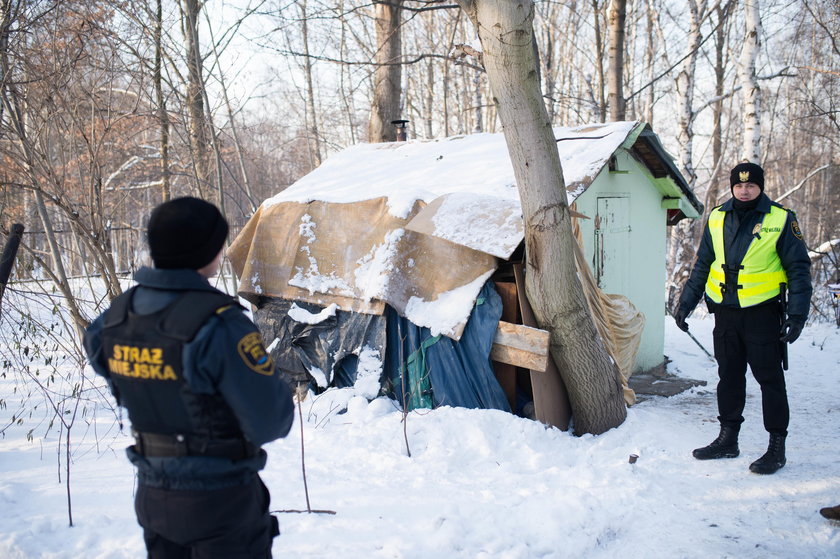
[[187, 315], [118, 311]]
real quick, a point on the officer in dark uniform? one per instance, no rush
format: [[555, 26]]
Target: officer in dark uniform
[[201, 392], [751, 245]]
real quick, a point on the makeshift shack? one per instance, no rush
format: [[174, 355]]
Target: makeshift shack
[[390, 266]]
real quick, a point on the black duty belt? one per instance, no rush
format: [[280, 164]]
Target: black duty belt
[[175, 446]]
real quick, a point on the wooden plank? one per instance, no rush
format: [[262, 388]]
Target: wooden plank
[[510, 301], [522, 346], [551, 401], [506, 373]]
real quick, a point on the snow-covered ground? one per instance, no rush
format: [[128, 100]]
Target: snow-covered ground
[[479, 483]]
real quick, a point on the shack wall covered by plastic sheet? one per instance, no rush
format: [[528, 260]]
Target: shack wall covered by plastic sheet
[[440, 371], [437, 370]]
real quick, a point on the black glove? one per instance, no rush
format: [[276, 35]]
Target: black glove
[[791, 329], [679, 318]]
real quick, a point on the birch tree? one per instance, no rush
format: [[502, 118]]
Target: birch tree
[[617, 14], [751, 91], [505, 30], [682, 240], [685, 91]]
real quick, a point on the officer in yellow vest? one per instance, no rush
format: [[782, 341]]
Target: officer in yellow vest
[[751, 245]]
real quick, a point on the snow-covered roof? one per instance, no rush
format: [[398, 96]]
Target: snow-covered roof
[[476, 164]]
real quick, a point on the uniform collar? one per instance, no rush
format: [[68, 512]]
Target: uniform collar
[[763, 205], [173, 279]]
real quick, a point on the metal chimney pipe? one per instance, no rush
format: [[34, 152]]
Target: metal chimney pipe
[[402, 133]]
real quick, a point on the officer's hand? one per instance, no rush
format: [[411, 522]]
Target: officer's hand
[[791, 330], [679, 318]]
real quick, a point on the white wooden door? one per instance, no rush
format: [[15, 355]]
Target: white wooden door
[[611, 261]]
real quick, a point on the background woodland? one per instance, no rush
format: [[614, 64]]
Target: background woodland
[[109, 107]]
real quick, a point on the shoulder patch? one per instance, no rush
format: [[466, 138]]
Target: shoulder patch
[[253, 354], [794, 228]]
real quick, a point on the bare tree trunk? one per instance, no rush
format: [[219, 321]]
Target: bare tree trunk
[[163, 115], [347, 87], [723, 13], [447, 79], [388, 76], [429, 100], [479, 115], [599, 63], [552, 285], [685, 92], [198, 129], [751, 146], [650, 58], [615, 75], [79, 321], [314, 140]]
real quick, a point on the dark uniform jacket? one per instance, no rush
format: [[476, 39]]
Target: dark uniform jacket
[[737, 236], [212, 365]]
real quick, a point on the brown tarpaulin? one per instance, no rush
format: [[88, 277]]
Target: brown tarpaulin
[[356, 255]]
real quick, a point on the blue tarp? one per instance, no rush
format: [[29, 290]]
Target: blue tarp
[[437, 371]]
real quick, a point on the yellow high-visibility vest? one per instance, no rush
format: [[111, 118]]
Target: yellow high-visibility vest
[[761, 270]]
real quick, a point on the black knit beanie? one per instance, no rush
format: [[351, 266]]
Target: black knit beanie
[[186, 233], [747, 172]]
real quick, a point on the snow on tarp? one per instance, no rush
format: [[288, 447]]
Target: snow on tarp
[[476, 164], [346, 233], [484, 223]]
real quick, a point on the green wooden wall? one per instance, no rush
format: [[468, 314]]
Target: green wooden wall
[[631, 244]]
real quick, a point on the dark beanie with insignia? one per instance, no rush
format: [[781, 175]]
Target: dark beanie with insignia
[[747, 172], [186, 233]]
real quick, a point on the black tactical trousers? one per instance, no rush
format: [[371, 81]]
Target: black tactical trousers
[[744, 337], [232, 522]]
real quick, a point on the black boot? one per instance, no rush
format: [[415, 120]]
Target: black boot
[[725, 446], [831, 513], [773, 459]]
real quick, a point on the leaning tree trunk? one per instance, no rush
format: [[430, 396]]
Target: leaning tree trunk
[[751, 150], [552, 285], [388, 75]]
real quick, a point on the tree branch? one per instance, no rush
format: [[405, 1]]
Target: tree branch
[[802, 182]]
